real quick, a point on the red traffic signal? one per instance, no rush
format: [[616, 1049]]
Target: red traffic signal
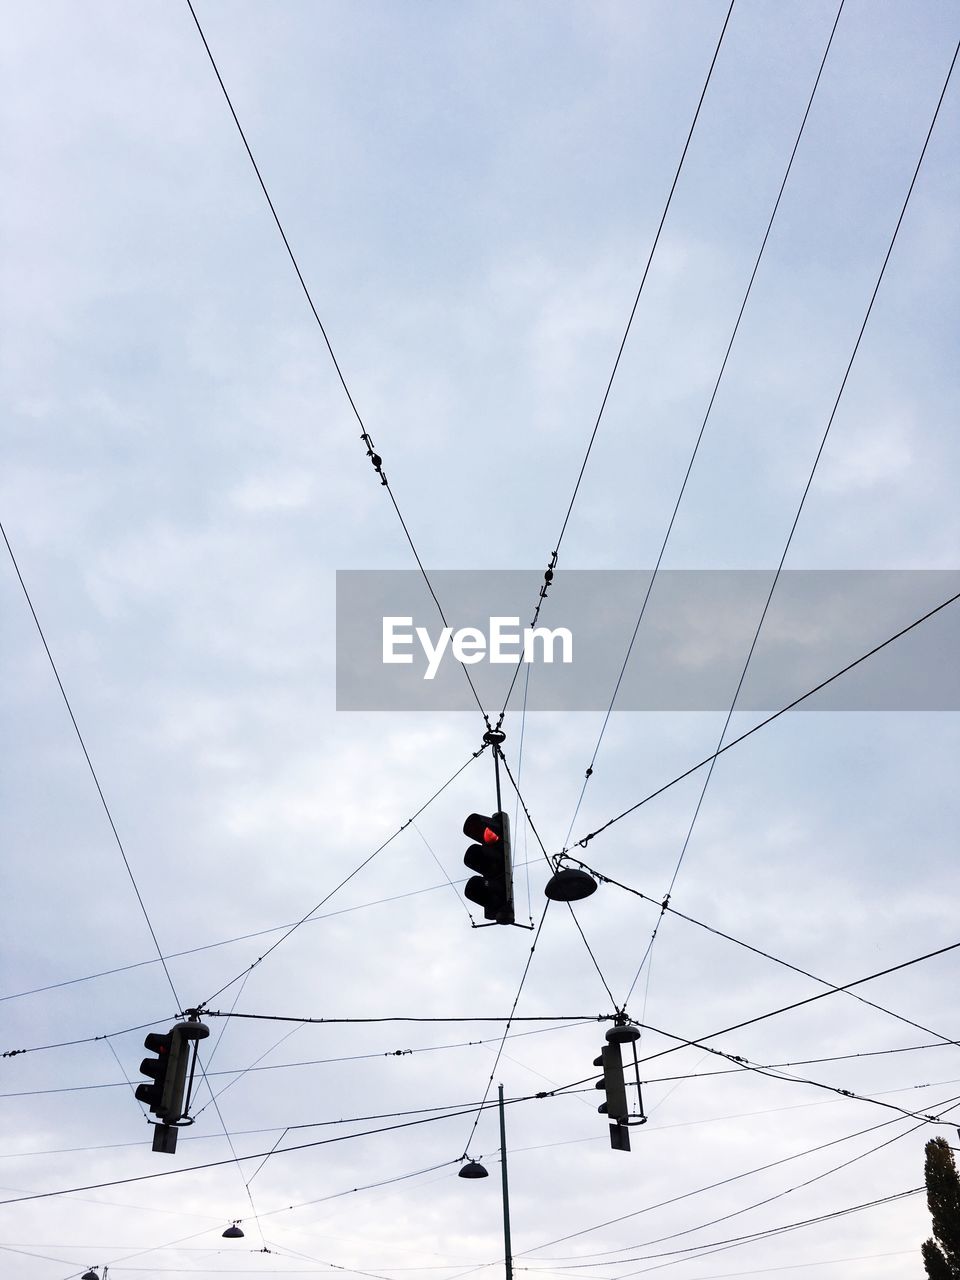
[[489, 856]]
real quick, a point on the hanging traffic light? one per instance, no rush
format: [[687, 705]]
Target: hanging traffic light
[[489, 856], [157, 1096], [168, 1072], [616, 1107], [612, 1083]]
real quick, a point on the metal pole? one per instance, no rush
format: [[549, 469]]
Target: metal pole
[[508, 1255]]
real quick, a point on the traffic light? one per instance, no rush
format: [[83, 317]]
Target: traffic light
[[612, 1083], [614, 1086], [168, 1070], [489, 856]]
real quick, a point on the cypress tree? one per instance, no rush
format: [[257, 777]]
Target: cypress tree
[[941, 1253]]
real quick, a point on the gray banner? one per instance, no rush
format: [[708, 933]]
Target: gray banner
[[395, 654]]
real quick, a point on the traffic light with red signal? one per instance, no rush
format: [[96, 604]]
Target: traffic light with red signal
[[490, 857]]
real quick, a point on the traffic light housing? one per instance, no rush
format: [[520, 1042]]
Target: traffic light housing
[[490, 857], [168, 1069], [158, 1069], [612, 1083]]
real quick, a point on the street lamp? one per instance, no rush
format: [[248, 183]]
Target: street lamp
[[475, 1170]]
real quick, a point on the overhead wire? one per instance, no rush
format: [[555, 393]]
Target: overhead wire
[[748, 1238], [583, 841], [90, 767], [346, 880], [723, 1182], [706, 418], [543, 850], [372, 454], [665, 906], [510, 1020], [548, 576], [238, 1072], [807, 1000], [803, 497], [258, 1155]]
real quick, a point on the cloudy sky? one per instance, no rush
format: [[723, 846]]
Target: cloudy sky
[[472, 192]]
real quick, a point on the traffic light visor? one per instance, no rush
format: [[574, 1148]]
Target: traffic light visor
[[483, 830]]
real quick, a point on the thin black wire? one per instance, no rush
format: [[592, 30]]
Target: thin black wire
[[543, 850], [258, 1155], [395, 1017], [798, 1004], [706, 418], [303, 919], [210, 946], [239, 1072], [67, 1044], [665, 907], [364, 434], [429, 848], [723, 1182], [273, 1017], [548, 578], [254, 1066], [803, 499], [762, 724], [503, 1040], [92, 770], [749, 1238], [369, 1186], [526, 811]]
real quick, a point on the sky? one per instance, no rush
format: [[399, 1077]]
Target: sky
[[473, 194]]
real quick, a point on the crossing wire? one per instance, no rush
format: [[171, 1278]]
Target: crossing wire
[[583, 841], [706, 418], [803, 499], [946, 1105], [786, 964], [548, 576], [366, 861]]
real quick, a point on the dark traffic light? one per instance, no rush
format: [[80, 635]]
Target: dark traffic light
[[489, 856], [158, 1069], [612, 1083], [168, 1070]]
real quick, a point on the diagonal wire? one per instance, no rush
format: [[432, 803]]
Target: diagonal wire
[[758, 951], [92, 770], [806, 490], [503, 1039], [304, 918], [551, 866], [548, 577], [762, 724], [123, 1071], [706, 419], [443, 869], [364, 434]]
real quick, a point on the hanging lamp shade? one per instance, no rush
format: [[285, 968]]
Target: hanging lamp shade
[[233, 1232], [570, 885], [622, 1035], [90, 1275], [473, 1169]]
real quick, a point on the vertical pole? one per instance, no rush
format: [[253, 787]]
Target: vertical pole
[[508, 1255]]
